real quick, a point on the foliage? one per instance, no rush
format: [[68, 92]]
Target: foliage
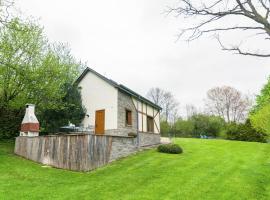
[[34, 71], [70, 111], [264, 97], [260, 113], [10, 121], [226, 170], [170, 148], [260, 119], [207, 125], [184, 128], [195, 126], [164, 128], [20, 47], [244, 132]]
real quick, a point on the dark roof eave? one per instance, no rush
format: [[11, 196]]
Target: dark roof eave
[[134, 94], [119, 86]]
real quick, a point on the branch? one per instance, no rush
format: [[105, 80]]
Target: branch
[[214, 13], [239, 51]]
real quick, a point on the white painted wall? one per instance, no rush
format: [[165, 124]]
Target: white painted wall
[[142, 118], [29, 133], [97, 94]]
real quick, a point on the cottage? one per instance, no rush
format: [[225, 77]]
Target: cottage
[[118, 122], [113, 109]]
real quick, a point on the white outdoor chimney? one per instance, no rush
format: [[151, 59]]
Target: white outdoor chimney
[[30, 124]]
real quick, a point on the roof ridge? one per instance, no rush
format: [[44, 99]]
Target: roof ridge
[[117, 85]]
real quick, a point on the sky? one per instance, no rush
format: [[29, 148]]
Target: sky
[[134, 43]]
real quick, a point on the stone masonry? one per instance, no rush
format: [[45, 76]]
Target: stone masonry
[[125, 103], [148, 139], [122, 147]]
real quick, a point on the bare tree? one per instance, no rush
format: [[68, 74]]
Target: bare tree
[[170, 105], [191, 110], [166, 101], [228, 103], [219, 16], [156, 95]]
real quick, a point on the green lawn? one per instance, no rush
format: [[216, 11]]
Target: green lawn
[[208, 169]]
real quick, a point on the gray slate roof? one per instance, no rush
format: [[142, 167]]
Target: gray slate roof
[[118, 86]]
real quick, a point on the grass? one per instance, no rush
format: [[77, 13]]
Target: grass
[[208, 169]]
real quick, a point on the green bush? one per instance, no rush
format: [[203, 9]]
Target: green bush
[[170, 148], [10, 122], [244, 132]]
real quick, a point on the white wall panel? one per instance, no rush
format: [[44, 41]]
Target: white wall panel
[[97, 94]]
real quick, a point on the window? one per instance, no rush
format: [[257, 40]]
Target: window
[[128, 118], [150, 124]]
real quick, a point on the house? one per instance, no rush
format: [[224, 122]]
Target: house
[[113, 109], [118, 122]]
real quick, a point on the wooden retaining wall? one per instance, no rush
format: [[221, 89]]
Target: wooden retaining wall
[[75, 152]]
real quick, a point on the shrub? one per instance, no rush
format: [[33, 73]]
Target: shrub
[[170, 148], [244, 132], [10, 121]]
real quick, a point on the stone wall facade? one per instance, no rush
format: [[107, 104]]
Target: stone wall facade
[[148, 139], [125, 103], [122, 147], [144, 138]]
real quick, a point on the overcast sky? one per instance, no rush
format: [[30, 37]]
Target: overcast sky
[[133, 43]]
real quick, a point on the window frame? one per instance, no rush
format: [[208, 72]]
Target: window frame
[[127, 111], [152, 124]]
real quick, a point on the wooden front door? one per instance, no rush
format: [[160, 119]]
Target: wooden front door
[[100, 122]]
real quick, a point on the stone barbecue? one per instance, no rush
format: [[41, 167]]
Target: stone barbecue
[[30, 123]]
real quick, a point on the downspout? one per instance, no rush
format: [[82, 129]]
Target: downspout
[[138, 139]]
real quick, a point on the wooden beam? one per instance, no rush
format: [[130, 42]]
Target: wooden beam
[[156, 126], [134, 104]]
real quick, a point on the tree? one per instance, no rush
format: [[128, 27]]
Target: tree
[[260, 119], [156, 95], [34, 71], [170, 105], [166, 101], [228, 103], [184, 128], [70, 111], [20, 48], [207, 125], [191, 110], [165, 128], [263, 98], [224, 16], [244, 132], [260, 113]]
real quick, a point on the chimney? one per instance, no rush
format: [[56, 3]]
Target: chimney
[[30, 124]]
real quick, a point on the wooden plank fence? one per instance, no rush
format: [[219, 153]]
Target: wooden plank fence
[[81, 152]]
